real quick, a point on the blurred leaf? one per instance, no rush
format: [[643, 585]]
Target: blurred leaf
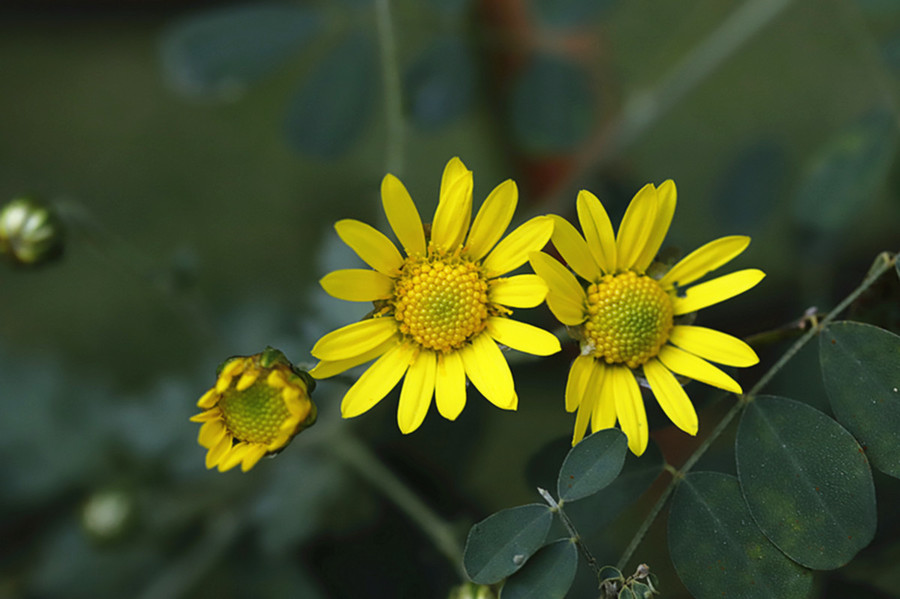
[[717, 549], [592, 464], [333, 105], [552, 105], [501, 543], [450, 7], [568, 13], [440, 84], [861, 370], [547, 575], [220, 52], [595, 512], [845, 173], [751, 187], [807, 482]]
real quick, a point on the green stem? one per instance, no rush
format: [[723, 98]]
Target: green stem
[[886, 262], [360, 458], [570, 526], [393, 106]]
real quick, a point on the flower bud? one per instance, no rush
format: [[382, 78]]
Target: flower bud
[[258, 404], [30, 233]]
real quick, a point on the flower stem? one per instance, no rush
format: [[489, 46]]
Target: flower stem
[[360, 458], [570, 526], [393, 107], [882, 264]]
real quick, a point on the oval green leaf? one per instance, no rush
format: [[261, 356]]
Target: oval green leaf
[[806, 481], [218, 53], [501, 543], [861, 370], [592, 464], [552, 105], [845, 174], [333, 105], [718, 551], [547, 575]]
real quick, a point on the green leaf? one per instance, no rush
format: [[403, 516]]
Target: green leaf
[[595, 512], [547, 575], [718, 551], [552, 105], [440, 85], [334, 103], [845, 174], [220, 52], [592, 464], [861, 370], [501, 543], [806, 481]]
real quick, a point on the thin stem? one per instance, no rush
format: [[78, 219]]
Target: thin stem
[[878, 269], [570, 526], [361, 459], [393, 107]]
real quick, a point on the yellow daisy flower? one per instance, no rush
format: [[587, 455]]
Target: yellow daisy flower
[[628, 323], [440, 311], [259, 403]]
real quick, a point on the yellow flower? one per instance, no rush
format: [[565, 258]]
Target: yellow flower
[[259, 403], [628, 323], [441, 310]]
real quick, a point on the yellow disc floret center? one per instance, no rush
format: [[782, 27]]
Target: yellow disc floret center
[[441, 302], [254, 415], [630, 318]]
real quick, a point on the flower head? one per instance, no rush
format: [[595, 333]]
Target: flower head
[[258, 404], [629, 323], [30, 233], [442, 308]]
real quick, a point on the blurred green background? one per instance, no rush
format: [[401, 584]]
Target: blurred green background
[[199, 154]]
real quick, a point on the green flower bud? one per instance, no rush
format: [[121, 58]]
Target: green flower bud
[[30, 233]]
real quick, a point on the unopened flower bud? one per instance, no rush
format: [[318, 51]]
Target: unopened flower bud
[[30, 233]]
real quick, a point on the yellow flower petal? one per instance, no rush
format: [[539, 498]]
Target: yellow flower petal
[[574, 249], [522, 336], [492, 220], [629, 407], [357, 285], [354, 339], [519, 291], [402, 215], [418, 388], [487, 369], [671, 397], [329, 368], [579, 374], [215, 454], [583, 417], [704, 260], [211, 432], [718, 290], [453, 172], [566, 298], [689, 365], [234, 457], [209, 399], [598, 231], [454, 211], [377, 381], [207, 415], [713, 345], [253, 455], [450, 385], [371, 245], [635, 227], [512, 252], [665, 209], [604, 413]]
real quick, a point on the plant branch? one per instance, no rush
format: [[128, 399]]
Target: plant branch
[[393, 106]]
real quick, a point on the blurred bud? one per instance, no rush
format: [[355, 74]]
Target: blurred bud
[[470, 590], [30, 233], [259, 403], [107, 515]]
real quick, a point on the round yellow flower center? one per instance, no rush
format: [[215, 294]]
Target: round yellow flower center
[[441, 302], [255, 414], [630, 318]]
